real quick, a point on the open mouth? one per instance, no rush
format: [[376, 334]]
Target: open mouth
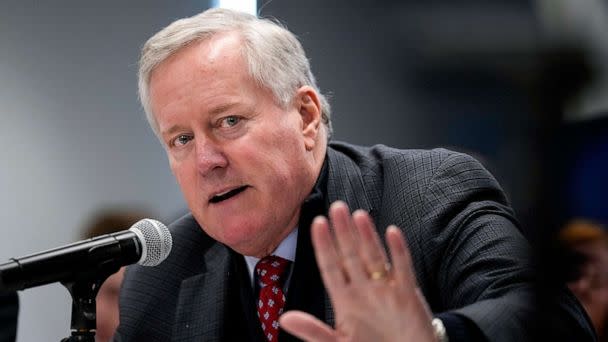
[[227, 195]]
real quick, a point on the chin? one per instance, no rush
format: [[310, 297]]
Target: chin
[[240, 235], [248, 234]]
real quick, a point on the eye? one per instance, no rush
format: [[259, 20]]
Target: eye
[[181, 140], [230, 121]]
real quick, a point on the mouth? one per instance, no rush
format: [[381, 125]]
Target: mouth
[[228, 194]]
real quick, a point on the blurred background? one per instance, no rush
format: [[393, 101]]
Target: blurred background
[[522, 85]]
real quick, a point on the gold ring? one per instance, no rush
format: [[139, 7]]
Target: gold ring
[[381, 274], [378, 275]]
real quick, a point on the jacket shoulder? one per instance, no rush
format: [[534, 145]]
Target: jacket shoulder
[[149, 295], [381, 160]]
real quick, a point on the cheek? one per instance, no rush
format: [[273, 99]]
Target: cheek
[[185, 176], [281, 166], [287, 174]]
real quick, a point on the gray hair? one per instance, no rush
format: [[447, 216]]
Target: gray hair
[[275, 57]]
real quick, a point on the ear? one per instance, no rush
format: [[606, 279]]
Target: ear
[[309, 107]]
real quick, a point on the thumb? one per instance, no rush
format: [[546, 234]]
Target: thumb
[[306, 327]]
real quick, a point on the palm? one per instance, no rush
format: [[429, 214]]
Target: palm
[[370, 304]]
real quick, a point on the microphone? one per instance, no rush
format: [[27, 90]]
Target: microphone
[[148, 242]]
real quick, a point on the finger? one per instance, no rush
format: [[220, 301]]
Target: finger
[[306, 327], [401, 260], [345, 231], [372, 252], [328, 260]]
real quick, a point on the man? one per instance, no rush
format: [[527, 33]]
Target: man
[[247, 134]]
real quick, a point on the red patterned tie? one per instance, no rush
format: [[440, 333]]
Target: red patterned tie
[[271, 273]]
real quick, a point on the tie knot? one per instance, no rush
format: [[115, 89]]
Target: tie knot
[[271, 269]]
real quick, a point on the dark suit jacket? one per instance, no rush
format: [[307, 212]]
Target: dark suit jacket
[[469, 256]]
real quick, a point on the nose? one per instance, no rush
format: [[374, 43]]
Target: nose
[[209, 156]]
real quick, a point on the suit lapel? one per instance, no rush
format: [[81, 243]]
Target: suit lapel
[[306, 291], [345, 183], [251, 327], [202, 299]]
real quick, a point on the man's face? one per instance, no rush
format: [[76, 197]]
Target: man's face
[[244, 164]]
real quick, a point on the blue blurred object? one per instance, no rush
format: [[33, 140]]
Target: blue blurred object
[[586, 170]]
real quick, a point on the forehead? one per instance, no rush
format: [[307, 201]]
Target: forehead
[[221, 52], [222, 46], [200, 75]]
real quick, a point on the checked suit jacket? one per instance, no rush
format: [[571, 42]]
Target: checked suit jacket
[[469, 256]]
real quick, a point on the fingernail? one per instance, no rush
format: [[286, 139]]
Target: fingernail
[[337, 204], [360, 212], [319, 219]]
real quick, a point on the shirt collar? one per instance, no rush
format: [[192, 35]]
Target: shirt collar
[[286, 250]]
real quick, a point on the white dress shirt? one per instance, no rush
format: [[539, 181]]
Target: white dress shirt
[[285, 250]]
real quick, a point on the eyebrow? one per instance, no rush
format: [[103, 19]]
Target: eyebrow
[[171, 130], [215, 111], [223, 108]]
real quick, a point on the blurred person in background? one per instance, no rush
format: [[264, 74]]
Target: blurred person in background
[[585, 252], [106, 222], [9, 310]]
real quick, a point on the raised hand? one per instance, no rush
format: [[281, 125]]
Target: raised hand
[[373, 300]]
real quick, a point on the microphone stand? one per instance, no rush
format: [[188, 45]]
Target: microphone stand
[[84, 306]]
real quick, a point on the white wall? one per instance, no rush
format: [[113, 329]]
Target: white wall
[[72, 135]]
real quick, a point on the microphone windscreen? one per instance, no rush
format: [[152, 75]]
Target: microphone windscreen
[[155, 239]]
